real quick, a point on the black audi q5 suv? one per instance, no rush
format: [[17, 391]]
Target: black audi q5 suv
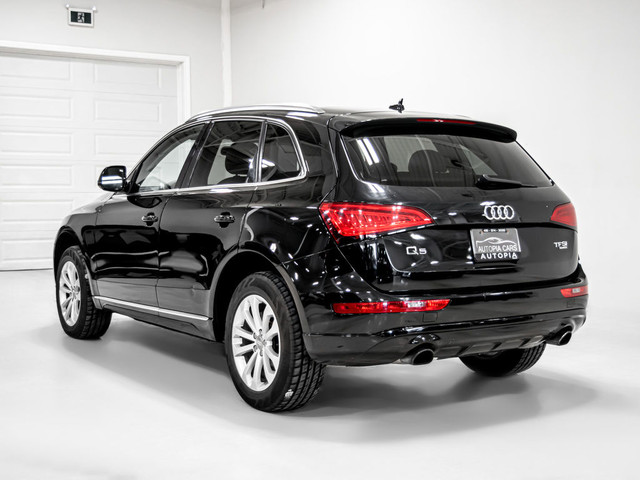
[[303, 237]]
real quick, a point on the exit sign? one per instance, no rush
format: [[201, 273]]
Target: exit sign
[[80, 17]]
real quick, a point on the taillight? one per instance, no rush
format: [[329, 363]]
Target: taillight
[[575, 291], [444, 120], [356, 219], [565, 214], [391, 307]]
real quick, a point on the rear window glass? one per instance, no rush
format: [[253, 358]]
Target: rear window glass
[[436, 160]]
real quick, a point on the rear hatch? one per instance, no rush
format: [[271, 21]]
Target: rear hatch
[[494, 218]]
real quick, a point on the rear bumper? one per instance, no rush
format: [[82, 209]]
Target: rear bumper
[[477, 320], [446, 340]]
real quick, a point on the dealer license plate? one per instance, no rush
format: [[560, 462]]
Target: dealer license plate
[[495, 244]]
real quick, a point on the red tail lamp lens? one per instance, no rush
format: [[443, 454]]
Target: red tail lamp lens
[[575, 291], [391, 307], [565, 214], [444, 120], [356, 219]]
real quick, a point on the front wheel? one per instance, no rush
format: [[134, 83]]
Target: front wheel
[[267, 360], [78, 314], [505, 363]]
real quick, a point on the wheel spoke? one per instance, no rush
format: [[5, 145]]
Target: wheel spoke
[[255, 313], [65, 302], [242, 333], [272, 355], [248, 317], [65, 275], [74, 311], [257, 372], [272, 332], [267, 316], [269, 371], [246, 373], [242, 350]]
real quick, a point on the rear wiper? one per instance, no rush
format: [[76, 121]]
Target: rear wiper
[[487, 182]]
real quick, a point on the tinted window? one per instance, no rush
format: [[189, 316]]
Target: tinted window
[[432, 160], [160, 170], [279, 158], [228, 154]]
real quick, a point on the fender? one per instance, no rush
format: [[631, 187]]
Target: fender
[[66, 238], [270, 259]]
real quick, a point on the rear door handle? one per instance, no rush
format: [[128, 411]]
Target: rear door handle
[[150, 218], [224, 218]]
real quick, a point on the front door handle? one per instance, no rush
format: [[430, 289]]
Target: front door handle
[[150, 218], [224, 218]]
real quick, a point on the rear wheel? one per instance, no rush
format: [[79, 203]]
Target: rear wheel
[[503, 364], [78, 314], [267, 360]]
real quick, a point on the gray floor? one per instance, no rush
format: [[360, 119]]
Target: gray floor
[[147, 403]]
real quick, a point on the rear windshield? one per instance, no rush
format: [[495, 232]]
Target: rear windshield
[[436, 160]]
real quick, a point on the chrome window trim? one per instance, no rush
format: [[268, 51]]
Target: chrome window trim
[[204, 188], [277, 121], [148, 308], [148, 152]]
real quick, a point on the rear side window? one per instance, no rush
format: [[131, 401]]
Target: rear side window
[[279, 158], [436, 160], [228, 154]]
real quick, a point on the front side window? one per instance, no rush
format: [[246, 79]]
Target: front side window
[[161, 169], [279, 158], [228, 154]]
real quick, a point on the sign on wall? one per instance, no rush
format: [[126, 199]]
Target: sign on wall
[[81, 17]]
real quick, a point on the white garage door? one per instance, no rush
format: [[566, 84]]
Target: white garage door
[[61, 121]]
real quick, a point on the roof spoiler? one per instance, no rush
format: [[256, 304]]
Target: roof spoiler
[[415, 125]]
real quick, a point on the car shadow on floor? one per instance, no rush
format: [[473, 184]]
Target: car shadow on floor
[[370, 404]]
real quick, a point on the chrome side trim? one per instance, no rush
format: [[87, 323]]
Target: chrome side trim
[[292, 107], [148, 308]]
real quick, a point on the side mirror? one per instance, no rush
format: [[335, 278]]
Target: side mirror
[[112, 179]]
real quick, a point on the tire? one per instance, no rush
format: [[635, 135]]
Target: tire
[[79, 316], [268, 362], [506, 363]]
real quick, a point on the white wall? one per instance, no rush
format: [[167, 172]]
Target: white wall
[[564, 73], [177, 27]]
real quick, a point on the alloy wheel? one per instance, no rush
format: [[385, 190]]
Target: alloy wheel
[[255, 342], [69, 294]]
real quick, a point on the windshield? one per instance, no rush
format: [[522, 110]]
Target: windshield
[[431, 160]]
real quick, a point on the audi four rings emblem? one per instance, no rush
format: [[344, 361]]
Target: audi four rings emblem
[[499, 212]]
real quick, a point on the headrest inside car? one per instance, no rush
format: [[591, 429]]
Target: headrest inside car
[[238, 157]]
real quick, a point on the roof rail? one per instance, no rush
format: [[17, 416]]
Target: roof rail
[[290, 107]]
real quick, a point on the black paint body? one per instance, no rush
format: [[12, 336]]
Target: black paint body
[[185, 264]]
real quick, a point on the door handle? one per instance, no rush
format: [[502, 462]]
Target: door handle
[[224, 218], [150, 218]]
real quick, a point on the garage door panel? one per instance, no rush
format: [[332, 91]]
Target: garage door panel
[[28, 143], [118, 146], [143, 79], [28, 176], [15, 105], [31, 70], [32, 249], [61, 122], [28, 216], [150, 113]]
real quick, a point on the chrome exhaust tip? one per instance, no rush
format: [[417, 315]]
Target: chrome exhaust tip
[[562, 337], [421, 356]]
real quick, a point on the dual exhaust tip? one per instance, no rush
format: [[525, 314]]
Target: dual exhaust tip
[[424, 355]]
